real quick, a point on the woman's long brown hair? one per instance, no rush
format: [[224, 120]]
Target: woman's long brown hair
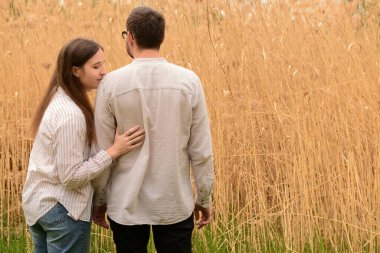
[[75, 53]]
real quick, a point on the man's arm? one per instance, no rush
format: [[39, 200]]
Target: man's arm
[[105, 131], [200, 151]]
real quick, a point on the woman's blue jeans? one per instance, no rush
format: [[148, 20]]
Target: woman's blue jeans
[[56, 232]]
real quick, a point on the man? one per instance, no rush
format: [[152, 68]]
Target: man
[[150, 187]]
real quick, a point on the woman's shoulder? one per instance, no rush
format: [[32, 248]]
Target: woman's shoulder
[[63, 107]]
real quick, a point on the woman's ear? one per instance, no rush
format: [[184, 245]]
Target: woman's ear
[[76, 71]]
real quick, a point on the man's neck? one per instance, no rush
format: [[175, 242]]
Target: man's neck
[[147, 53]]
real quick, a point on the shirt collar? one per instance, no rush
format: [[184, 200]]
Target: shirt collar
[[149, 60]]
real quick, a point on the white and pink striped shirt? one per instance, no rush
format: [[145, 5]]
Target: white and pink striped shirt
[[59, 166]]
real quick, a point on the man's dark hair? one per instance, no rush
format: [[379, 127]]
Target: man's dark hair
[[147, 27]]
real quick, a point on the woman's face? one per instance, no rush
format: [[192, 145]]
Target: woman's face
[[92, 72]]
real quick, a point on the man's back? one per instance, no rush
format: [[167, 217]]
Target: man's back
[[152, 185]]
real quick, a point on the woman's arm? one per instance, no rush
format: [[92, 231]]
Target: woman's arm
[[73, 170]]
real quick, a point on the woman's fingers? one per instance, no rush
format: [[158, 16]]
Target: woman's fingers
[[132, 138], [138, 144], [136, 135], [138, 139], [132, 130]]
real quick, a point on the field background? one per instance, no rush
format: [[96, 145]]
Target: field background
[[293, 91]]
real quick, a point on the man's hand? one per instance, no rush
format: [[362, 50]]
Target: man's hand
[[205, 215], [99, 216]]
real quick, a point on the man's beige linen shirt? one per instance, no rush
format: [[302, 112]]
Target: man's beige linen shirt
[[59, 166], [152, 184]]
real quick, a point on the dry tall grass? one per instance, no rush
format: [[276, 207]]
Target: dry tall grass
[[293, 94]]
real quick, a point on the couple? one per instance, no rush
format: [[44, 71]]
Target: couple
[[149, 126]]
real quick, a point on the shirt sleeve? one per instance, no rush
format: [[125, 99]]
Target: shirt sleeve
[[73, 170], [105, 126], [200, 150]]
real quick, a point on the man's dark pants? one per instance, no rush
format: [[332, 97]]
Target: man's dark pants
[[174, 238]]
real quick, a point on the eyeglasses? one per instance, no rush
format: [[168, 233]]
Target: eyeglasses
[[124, 34]]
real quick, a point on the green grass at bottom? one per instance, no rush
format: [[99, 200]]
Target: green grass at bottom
[[13, 244], [204, 241]]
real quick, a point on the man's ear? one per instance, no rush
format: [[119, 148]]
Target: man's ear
[[130, 37]]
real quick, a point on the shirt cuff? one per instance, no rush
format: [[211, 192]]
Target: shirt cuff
[[99, 198], [99, 194], [104, 156], [204, 201]]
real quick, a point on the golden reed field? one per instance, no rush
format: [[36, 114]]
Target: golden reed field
[[293, 91]]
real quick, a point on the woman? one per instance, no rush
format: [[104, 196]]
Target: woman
[[57, 194]]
